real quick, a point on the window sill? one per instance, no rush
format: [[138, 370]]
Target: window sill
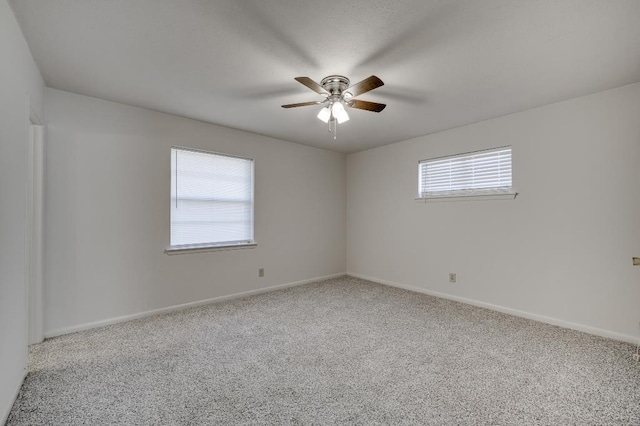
[[204, 248], [488, 197]]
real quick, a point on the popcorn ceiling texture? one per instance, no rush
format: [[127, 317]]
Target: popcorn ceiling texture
[[232, 63], [341, 351]]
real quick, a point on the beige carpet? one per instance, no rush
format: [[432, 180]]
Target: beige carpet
[[342, 351]]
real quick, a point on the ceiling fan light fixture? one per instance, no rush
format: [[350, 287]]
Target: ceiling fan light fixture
[[338, 93], [339, 112], [324, 114]]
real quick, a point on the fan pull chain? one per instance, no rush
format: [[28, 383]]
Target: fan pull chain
[[335, 128]]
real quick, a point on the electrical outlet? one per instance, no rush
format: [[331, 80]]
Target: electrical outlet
[[452, 277], [636, 261], [261, 272]]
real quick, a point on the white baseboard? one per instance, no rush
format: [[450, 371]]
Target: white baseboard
[[541, 318], [4, 414], [144, 314]]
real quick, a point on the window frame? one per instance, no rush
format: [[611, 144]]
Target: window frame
[[477, 195], [222, 246]]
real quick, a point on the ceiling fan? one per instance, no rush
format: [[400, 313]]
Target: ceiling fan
[[339, 94]]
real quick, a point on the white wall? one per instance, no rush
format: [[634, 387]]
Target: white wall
[[108, 200], [21, 87], [561, 250]]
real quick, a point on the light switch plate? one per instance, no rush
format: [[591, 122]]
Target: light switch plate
[[636, 261]]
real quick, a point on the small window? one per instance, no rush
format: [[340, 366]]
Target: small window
[[211, 199], [466, 175]]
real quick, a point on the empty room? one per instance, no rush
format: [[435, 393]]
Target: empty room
[[220, 212]]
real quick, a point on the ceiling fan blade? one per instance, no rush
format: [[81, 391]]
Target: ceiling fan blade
[[365, 85], [312, 85], [301, 104], [366, 105]]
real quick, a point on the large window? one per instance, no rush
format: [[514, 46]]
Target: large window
[[471, 174], [211, 199]]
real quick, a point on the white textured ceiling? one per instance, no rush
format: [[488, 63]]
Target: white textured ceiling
[[232, 62]]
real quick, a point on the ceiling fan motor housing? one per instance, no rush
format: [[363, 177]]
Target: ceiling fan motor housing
[[335, 84]]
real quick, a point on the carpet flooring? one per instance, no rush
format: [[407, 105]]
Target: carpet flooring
[[341, 351]]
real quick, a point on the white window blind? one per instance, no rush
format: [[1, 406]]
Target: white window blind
[[211, 199], [472, 174]]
